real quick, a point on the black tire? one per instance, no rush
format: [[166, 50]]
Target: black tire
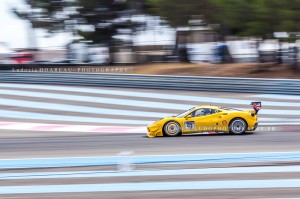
[[238, 126], [172, 129]]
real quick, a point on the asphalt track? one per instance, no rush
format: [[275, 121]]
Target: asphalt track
[[22, 144]]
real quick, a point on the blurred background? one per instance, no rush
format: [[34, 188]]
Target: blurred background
[[74, 134], [149, 31]]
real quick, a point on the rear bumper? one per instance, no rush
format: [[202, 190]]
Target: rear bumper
[[254, 127]]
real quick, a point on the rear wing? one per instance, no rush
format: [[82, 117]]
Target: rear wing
[[256, 106]]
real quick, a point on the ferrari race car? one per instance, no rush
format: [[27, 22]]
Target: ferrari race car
[[207, 119]]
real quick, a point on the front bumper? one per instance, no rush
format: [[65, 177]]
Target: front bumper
[[154, 131], [151, 135]]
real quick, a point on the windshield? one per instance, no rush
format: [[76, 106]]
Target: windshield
[[185, 112]]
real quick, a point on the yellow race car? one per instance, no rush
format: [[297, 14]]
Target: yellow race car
[[207, 119]]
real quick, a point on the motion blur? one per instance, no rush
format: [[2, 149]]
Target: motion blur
[[83, 82], [147, 31]]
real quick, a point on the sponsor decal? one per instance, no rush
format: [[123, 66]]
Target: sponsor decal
[[189, 125], [212, 128]]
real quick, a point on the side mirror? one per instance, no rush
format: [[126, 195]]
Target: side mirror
[[188, 117]]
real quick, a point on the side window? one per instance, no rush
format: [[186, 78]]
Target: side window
[[201, 112], [213, 111]]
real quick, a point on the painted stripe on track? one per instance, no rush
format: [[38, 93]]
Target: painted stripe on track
[[135, 173], [65, 118], [25, 126], [137, 117], [149, 95], [71, 128], [278, 96], [137, 121], [155, 159], [82, 109], [153, 186], [114, 101]]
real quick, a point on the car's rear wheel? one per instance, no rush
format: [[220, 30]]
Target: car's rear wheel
[[172, 129], [238, 126]]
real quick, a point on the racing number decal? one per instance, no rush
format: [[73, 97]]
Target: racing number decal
[[190, 125]]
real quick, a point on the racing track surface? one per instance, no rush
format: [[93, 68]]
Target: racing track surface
[[72, 112], [59, 144]]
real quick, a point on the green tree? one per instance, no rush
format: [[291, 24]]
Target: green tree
[[233, 17], [258, 17], [46, 14], [104, 18], [179, 12]]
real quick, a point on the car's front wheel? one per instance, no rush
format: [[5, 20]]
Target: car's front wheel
[[172, 129], [238, 126]]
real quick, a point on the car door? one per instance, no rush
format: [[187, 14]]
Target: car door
[[190, 124], [204, 123], [207, 120], [199, 121]]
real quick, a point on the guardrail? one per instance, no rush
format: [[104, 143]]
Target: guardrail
[[249, 85]]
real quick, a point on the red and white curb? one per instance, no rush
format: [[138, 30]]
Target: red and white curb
[[71, 128]]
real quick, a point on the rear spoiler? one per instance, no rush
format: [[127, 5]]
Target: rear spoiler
[[256, 106]]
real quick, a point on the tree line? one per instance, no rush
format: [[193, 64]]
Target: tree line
[[101, 20]]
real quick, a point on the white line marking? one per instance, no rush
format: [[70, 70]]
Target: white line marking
[[153, 186], [151, 95], [175, 172]]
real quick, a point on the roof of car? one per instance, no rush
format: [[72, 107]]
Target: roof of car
[[208, 106]]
